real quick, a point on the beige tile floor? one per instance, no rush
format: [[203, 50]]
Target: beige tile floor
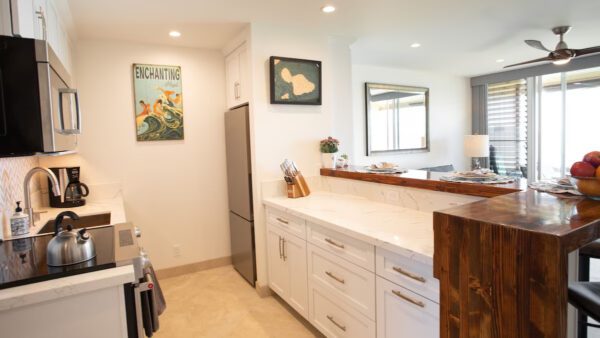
[[219, 303]]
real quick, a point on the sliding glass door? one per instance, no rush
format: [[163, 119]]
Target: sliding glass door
[[548, 122]]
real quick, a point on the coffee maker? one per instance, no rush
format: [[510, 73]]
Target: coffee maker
[[72, 190]]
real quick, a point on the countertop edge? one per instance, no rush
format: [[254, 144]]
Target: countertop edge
[[29, 294]]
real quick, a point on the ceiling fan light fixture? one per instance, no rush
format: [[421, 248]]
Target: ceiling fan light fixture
[[562, 62]]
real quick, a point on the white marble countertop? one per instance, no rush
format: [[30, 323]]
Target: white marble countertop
[[402, 230], [60, 288], [104, 199]]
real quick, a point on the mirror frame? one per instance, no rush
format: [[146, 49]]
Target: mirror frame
[[369, 152]]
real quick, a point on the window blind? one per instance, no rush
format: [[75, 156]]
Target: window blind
[[507, 127]]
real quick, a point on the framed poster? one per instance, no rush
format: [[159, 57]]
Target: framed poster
[[158, 102], [295, 81]]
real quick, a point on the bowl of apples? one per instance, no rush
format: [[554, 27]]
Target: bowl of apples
[[585, 175]]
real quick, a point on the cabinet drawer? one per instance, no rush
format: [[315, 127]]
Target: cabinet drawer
[[353, 250], [293, 224], [404, 271], [334, 320], [352, 284], [403, 313]]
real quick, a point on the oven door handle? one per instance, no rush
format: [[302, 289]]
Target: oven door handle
[[147, 287]]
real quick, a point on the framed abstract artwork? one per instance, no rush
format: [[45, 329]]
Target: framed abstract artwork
[[158, 102], [295, 81]]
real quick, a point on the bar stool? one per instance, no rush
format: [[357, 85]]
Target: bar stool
[[585, 295]]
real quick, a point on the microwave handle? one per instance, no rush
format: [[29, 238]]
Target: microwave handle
[[2, 107], [61, 113]]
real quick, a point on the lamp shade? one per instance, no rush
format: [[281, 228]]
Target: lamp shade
[[477, 145]]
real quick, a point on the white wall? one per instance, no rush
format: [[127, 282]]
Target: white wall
[[175, 191], [449, 115], [288, 131]]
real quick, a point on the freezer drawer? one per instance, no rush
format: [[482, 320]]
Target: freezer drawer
[[242, 247]]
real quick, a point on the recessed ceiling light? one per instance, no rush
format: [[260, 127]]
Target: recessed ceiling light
[[174, 34], [416, 45], [328, 9], [500, 60]]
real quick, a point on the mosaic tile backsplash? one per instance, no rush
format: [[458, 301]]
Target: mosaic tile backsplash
[[12, 174]]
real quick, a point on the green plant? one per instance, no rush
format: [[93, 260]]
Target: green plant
[[329, 145]]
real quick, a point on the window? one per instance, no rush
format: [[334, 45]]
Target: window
[[559, 121], [569, 116], [507, 127]]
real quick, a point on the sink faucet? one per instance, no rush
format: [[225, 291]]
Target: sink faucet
[[27, 189]]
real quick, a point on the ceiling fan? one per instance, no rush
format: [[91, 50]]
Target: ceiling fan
[[561, 54]]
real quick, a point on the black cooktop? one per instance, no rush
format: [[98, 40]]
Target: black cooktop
[[23, 261]]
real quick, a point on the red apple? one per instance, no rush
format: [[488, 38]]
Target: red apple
[[582, 169], [593, 158]]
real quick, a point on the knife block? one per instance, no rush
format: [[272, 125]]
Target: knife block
[[298, 187]]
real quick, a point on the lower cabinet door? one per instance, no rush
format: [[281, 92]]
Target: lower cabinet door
[[294, 254], [404, 314], [334, 319], [279, 275]]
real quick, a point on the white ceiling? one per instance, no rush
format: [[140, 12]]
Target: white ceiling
[[463, 37]]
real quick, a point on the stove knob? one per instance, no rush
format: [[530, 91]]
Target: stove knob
[[138, 232]]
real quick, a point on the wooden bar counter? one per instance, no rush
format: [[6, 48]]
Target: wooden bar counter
[[426, 180], [502, 263]]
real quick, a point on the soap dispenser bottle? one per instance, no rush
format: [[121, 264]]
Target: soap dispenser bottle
[[19, 222]]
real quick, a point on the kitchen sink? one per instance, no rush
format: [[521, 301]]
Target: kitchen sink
[[88, 221]]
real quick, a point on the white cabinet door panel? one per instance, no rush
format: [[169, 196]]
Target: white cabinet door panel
[[353, 250], [278, 273], [404, 271], [404, 314], [294, 254], [335, 320], [352, 284]]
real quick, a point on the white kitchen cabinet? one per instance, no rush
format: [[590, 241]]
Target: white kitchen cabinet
[[288, 268], [18, 18], [334, 319], [402, 313], [349, 283], [237, 77], [38, 19], [409, 273]]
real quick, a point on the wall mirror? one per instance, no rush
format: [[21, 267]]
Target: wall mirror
[[397, 119]]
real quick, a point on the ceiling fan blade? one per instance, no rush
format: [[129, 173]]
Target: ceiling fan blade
[[584, 51], [547, 58], [537, 44]]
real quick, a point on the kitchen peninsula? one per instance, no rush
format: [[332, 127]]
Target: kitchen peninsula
[[501, 261]]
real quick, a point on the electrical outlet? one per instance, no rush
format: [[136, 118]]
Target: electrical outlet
[[392, 196], [176, 250]]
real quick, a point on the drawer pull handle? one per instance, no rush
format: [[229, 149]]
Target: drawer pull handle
[[408, 299], [342, 327], [341, 246], [281, 220], [341, 280], [409, 275], [280, 251]]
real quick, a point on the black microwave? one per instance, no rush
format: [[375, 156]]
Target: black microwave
[[39, 110]]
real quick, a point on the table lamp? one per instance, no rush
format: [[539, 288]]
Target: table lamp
[[477, 146]]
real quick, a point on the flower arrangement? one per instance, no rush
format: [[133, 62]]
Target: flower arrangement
[[329, 145]]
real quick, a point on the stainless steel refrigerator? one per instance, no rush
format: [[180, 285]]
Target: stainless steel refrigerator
[[239, 183]]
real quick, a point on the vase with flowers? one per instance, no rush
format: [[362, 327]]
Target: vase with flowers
[[329, 148]]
